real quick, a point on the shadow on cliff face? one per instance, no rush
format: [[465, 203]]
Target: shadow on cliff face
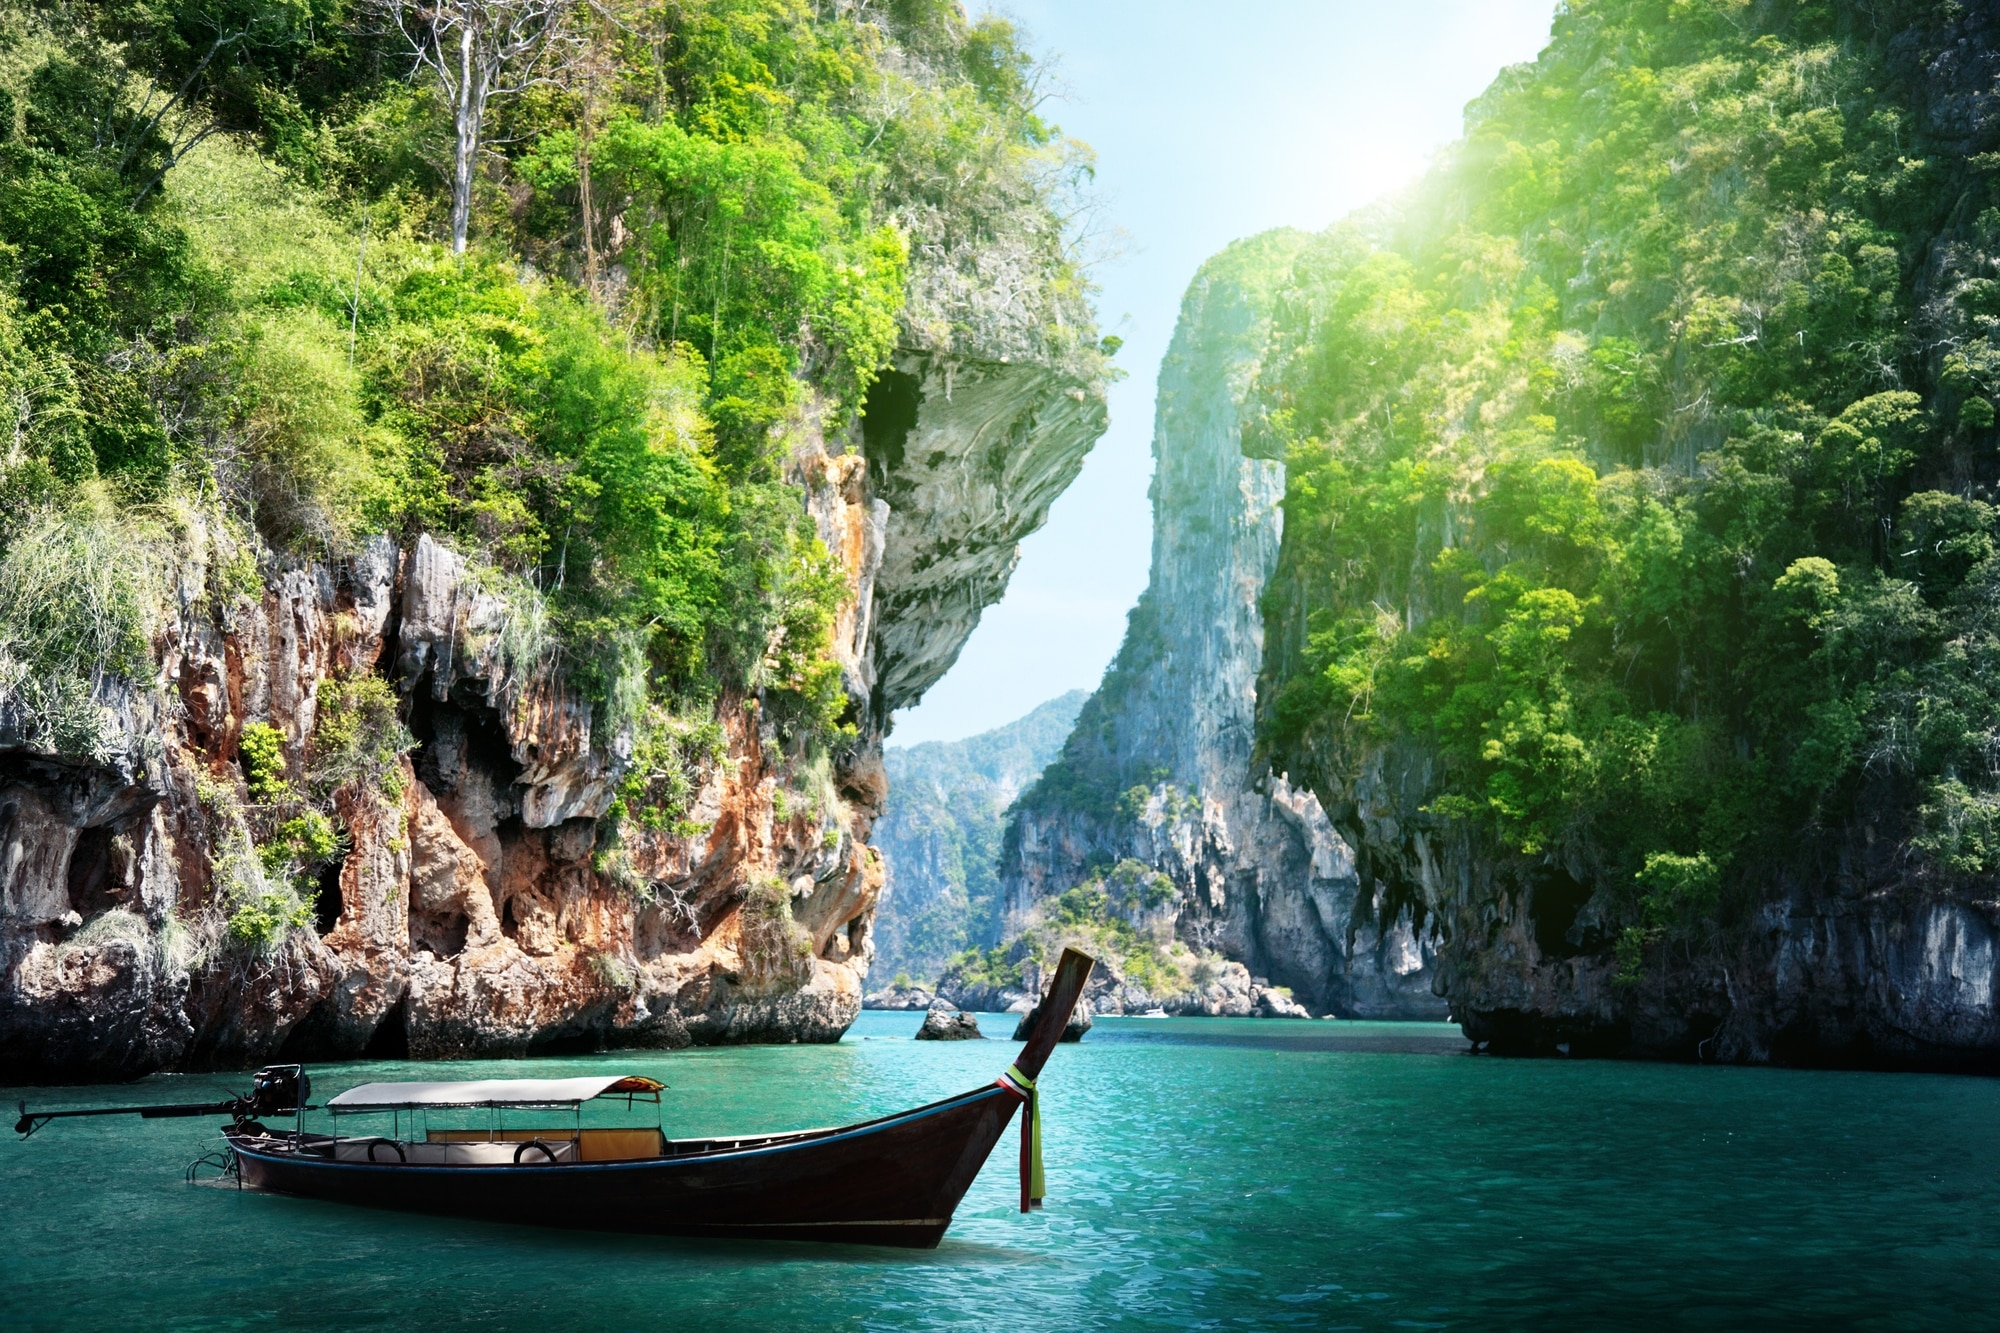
[[894, 401], [1522, 1032], [1560, 916]]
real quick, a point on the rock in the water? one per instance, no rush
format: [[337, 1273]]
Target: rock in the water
[[1276, 1002], [946, 1025], [1079, 1023]]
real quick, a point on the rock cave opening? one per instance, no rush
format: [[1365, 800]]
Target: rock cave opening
[[567, 1040], [95, 883], [391, 1038], [327, 903], [1555, 900], [458, 735], [887, 417], [441, 932]]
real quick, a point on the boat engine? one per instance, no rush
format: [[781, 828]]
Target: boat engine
[[276, 1090]]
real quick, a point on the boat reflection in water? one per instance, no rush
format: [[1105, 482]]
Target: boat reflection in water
[[892, 1181]]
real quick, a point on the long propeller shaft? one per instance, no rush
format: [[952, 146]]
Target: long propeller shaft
[[31, 1121]]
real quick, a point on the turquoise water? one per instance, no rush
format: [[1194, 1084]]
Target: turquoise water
[[1205, 1173]]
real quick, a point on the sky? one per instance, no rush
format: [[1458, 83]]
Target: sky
[[1210, 122]]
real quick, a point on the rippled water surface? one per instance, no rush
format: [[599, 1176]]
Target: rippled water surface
[[1202, 1173]]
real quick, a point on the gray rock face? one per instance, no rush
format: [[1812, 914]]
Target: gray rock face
[[967, 456], [946, 1025], [1079, 1023], [1822, 975], [1160, 767]]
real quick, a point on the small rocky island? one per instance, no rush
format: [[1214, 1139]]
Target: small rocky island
[[946, 1024]]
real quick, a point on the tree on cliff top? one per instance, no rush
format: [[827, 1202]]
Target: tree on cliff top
[[477, 51]]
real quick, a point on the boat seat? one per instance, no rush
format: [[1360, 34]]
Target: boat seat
[[593, 1145], [619, 1145], [480, 1153]]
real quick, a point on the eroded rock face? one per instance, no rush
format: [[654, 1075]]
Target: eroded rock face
[[473, 912], [1850, 968], [1259, 871], [968, 457]]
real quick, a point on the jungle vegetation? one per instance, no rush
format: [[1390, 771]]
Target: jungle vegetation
[[234, 332], [1641, 465]]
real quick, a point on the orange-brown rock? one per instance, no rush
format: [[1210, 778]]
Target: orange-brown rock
[[481, 905]]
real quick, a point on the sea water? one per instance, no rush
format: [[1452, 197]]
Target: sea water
[[1202, 1173]]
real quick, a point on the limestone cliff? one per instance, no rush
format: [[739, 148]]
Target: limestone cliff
[[480, 905], [1159, 770]]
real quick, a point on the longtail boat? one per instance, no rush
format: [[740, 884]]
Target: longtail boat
[[892, 1181]]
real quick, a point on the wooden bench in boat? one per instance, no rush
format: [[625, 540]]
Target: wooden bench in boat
[[466, 1152], [589, 1145]]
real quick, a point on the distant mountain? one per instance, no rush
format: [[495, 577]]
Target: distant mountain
[[940, 835]]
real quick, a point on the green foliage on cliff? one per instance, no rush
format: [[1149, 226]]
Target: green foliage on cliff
[[76, 605], [1117, 915], [232, 338], [262, 751], [242, 300], [1641, 459], [358, 739], [599, 400]]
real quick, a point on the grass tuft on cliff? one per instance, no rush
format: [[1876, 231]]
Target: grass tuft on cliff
[[1122, 915]]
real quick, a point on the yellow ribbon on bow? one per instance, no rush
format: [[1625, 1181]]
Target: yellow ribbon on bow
[[1033, 1183]]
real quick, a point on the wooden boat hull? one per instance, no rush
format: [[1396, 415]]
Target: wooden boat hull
[[893, 1181]]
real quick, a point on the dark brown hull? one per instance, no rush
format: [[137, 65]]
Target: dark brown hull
[[894, 1181]]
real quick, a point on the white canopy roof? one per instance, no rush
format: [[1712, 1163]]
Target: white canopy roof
[[487, 1092]]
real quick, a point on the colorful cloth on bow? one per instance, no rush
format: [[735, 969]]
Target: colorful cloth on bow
[[1033, 1182]]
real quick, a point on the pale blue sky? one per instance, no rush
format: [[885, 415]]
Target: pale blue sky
[[1211, 122]]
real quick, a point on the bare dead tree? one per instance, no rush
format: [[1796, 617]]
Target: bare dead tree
[[591, 70], [478, 50]]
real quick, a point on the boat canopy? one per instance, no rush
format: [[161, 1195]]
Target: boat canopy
[[492, 1092]]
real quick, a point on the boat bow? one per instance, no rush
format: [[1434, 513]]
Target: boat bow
[[1072, 975]]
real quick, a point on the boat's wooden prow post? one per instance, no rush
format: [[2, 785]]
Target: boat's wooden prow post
[[1072, 973]]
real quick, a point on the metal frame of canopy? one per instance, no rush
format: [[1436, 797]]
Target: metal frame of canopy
[[493, 1095]]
